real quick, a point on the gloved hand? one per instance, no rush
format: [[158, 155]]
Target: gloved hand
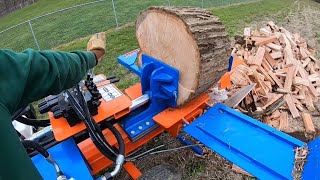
[[97, 44]]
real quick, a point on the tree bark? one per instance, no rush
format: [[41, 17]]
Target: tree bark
[[191, 40]]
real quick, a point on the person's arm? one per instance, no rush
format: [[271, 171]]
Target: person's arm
[[31, 75]]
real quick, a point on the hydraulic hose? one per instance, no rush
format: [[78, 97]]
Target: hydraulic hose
[[97, 136], [99, 141], [33, 122], [36, 146]]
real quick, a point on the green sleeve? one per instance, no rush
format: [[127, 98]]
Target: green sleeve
[[31, 75], [24, 78]]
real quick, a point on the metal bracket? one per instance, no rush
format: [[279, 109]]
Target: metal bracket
[[160, 82]]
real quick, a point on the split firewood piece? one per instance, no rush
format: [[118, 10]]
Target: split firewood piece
[[303, 73], [272, 101], [272, 25], [298, 104], [266, 40], [288, 53], [284, 121], [306, 62], [266, 75], [289, 78], [257, 60], [247, 32], [266, 31], [276, 55], [266, 65], [300, 81], [275, 79], [237, 169], [308, 124], [291, 106], [274, 46], [192, 40], [304, 53], [313, 77], [270, 60], [309, 102]]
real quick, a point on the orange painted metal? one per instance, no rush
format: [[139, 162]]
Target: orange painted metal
[[132, 170], [134, 91], [225, 81], [98, 161], [171, 119], [117, 107]]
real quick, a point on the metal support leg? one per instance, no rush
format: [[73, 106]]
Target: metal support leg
[[115, 14], [33, 35]]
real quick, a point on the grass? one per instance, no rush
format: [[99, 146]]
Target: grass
[[61, 28], [118, 42], [123, 39], [236, 17]]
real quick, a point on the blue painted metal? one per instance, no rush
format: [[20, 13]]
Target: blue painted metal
[[230, 63], [128, 60], [196, 149], [160, 82], [68, 157], [312, 167], [258, 148]]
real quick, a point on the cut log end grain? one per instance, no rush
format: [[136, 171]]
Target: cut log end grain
[[191, 40]]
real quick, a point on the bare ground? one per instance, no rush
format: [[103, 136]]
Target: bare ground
[[303, 17]]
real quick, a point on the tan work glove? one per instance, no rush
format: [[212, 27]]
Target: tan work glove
[[97, 44]]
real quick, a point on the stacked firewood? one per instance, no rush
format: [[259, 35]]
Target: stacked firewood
[[285, 71]]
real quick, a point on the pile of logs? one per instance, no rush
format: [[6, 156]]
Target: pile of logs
[[286, 74]]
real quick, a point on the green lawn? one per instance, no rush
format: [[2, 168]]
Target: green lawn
[[235, 18], [123, 40], [56, 29]]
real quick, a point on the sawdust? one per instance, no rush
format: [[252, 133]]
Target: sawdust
[[300, 160]]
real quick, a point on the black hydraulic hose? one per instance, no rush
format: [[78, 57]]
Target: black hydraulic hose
[[33, 122], [98, 141], [118, 136], [18, 113], [93, 124], [36, 146]]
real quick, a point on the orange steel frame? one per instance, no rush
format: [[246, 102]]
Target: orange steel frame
[[170, 120]]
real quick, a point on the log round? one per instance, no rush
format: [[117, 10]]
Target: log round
[[191, 40]]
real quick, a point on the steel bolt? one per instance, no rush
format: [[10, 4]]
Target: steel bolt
[[147, 123], [132, 132], [140, 127]]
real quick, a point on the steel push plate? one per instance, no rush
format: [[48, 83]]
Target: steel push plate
[[261, 150]]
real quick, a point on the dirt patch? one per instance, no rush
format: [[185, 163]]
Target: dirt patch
[[189, 166]]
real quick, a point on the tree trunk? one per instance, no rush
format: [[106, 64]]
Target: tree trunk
[[191, 40]]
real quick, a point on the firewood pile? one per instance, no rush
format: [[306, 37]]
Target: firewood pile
[[286, 74]]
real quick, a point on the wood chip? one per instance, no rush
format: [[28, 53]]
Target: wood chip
[[276, 55]]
